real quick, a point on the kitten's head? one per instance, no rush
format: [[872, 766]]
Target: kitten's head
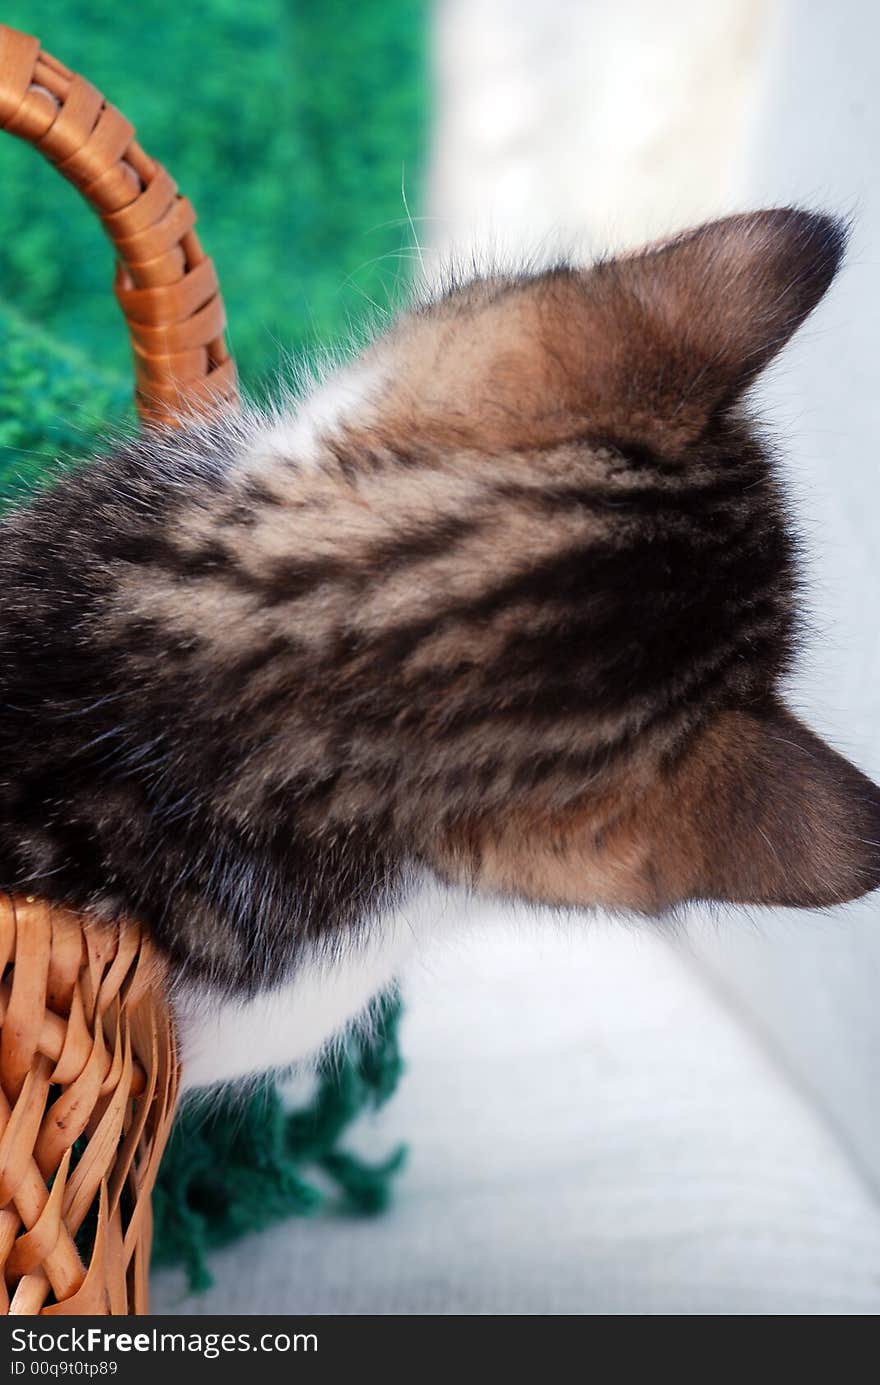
[[596, 712]]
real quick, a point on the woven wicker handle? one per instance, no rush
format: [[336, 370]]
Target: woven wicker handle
[[165, 284]]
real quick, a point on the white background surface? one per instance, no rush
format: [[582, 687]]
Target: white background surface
[[591, 1131]]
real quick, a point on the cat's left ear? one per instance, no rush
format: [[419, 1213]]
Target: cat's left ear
[[696, 319], [758, 810]]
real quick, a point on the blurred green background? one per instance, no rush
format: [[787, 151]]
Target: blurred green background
[[291, 124]]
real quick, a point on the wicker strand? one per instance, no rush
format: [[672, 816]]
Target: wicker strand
[[165, 284], [88, 1087]]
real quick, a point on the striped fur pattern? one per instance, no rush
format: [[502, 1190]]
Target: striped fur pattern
[[510, 601]]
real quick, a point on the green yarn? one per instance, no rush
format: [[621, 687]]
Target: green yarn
[[243, 1162], [290, 124], [293, 126], [53, 404]]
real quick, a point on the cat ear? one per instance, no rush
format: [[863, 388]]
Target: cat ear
[[695, 320], [758, 811], [765, 812]]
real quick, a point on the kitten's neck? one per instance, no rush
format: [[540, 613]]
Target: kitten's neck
[[306, 431]]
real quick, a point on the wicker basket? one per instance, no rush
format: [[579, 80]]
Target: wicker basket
[[88, 1061]]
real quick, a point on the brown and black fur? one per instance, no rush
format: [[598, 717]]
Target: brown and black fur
[[524, 622]]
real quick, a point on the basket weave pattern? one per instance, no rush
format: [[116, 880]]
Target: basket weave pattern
[[88, 1086], [165, 284], [88, 1060]]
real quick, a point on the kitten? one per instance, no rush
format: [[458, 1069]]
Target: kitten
[[507, 605]]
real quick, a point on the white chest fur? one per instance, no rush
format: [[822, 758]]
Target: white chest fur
[[225, 1040]]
